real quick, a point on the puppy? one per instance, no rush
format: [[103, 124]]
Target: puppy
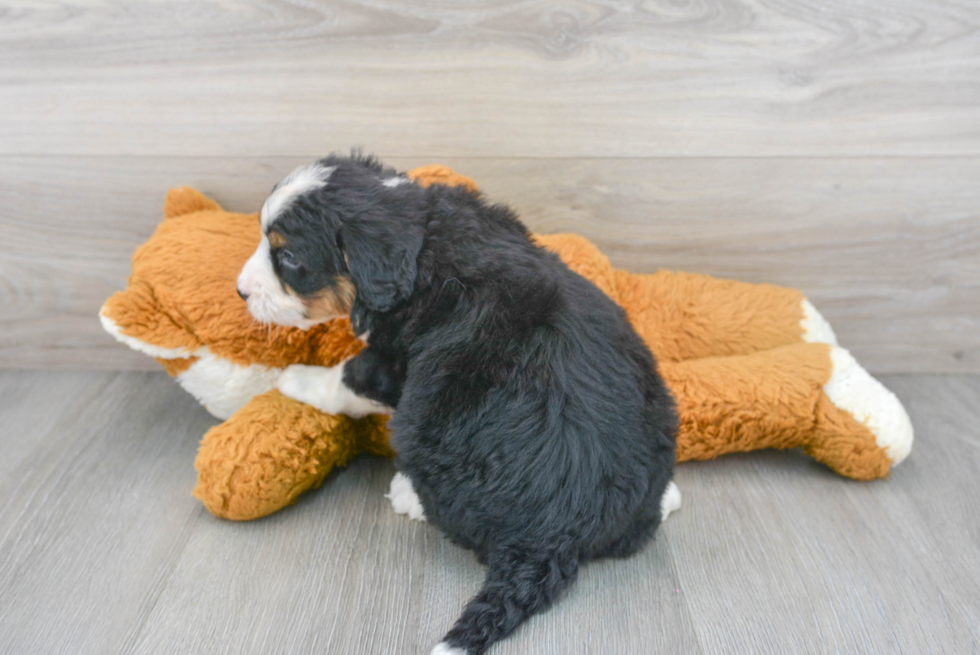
[[528, 415]]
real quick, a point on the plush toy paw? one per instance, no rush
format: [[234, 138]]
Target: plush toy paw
[[403, 498], [670, 501], [271, 451], [852, 389]]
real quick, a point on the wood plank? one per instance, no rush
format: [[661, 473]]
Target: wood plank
[[944, 411], [888, 249], [93, 519], [536, 78], [804, 561], [616, 606], [340, 573], [337, 572], [27, 421], [105, 551]]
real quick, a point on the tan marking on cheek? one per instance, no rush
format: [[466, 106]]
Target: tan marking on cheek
[[276, 240], [345, 291], [333, 302]]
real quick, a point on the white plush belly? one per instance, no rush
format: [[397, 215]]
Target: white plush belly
[[224, 387]]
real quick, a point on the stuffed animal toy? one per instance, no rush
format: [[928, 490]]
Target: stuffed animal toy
[[751, 366]]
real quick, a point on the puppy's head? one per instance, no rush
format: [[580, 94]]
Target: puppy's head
[[335, 231]]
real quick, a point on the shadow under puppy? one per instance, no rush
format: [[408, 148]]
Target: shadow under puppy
[[528, 417]]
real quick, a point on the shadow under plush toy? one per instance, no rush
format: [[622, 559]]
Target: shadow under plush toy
[[751, 366]]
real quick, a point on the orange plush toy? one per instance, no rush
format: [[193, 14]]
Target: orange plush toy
[[751, 366]]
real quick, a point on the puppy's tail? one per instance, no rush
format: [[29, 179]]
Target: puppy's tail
[[520, 582]]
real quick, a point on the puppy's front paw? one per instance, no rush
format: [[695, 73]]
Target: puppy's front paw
[[403, 498], [670, 501], [318, 386]]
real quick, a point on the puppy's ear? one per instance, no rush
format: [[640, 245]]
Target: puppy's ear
[[381, 254]]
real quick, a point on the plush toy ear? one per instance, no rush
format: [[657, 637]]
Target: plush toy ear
[[436, 174], [185, 200]]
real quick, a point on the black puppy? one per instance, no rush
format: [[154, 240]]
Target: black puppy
[[529, 416]]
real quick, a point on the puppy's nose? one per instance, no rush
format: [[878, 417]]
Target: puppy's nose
[[243, 296]]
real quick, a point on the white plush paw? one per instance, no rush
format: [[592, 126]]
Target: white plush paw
[[816, 329], [318, 386], [670, 501], [853, 389], [442, 648], [404, 499]]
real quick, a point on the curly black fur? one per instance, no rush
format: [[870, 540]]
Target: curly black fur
[[529, 415]]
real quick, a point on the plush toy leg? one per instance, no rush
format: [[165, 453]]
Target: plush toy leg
[[687, 316], [272, 450], [810, 396]]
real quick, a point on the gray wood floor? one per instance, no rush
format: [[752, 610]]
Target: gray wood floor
[[102, 549]]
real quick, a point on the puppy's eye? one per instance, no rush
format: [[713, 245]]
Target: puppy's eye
[[288, 260]]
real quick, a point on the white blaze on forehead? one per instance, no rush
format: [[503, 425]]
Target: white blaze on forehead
[[303, 179], [394, 181]]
